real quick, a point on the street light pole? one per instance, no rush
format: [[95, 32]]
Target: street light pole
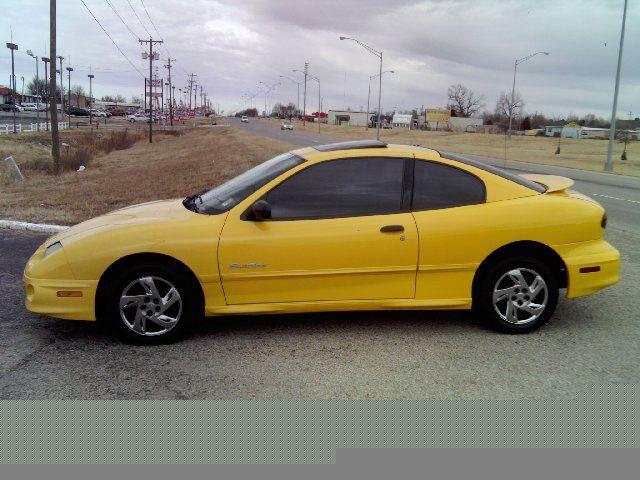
[[379, 55], [268, 89], [69, 70], [608, 166], [319, 101], [517, 62], [61, 58], [46, 61], [91, 77], [369, 94], [30, 53], [13, 47], [298, 85]]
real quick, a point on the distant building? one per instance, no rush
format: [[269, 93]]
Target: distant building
[[348, 117], [553, 130], [465, 124], [603, 133], [402, 120], [457, 124], [5, 94], [591, 132]]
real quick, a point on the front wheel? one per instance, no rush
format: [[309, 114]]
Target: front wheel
[[517, 295], [152, 304]]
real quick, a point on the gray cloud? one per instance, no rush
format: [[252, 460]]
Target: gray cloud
[[232, 45]]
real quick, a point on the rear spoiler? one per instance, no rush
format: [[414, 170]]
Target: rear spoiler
[[552, 183]]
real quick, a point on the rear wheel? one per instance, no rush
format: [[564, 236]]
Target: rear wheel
[[517, 295], [151, 304]]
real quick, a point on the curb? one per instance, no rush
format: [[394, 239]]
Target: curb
[[32, 227]]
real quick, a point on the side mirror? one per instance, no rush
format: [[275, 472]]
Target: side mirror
[[261, 210]]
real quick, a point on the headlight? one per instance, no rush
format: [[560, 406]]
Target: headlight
[[52, 248]]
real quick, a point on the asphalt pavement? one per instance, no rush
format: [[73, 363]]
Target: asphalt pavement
[[591, 340]]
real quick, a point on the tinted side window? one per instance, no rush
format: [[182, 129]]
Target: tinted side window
[[340, 188], [441, 186]]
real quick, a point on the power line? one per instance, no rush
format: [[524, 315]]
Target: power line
[[149, 17], [135, 37], [136, 14], [161, 36], [112, 40]]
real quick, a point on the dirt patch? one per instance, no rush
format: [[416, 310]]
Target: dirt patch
[[173, 166]]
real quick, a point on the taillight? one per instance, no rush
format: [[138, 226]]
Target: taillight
[[603, 222]]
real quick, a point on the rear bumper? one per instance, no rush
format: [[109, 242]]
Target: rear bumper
[[596, 253], [42, 297]]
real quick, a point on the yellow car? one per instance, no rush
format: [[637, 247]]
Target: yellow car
[[348, 226]]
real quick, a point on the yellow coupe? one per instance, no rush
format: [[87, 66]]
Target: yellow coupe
[[348, 226]]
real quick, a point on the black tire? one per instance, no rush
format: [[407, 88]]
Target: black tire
[[484, 294], [188, 308]]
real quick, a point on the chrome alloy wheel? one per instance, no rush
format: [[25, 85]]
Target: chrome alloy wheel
[[150, 306], [520, 296]]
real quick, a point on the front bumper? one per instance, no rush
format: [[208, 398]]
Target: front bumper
[[583, 255], [42, 297]]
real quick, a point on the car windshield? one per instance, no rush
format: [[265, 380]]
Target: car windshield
[[225, 196]]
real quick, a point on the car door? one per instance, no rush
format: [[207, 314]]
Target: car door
[[448, 204], [340, 230]]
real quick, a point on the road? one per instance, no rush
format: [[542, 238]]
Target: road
[[360, 355]]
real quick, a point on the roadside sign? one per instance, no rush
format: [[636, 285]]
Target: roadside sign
[[438, 115]]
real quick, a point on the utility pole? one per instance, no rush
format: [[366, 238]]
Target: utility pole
[[91, 99], [13, 47], [46, 61], [168, 67], [608, 166], [191, 87], [53, 103], [195, 97], [151, 43]]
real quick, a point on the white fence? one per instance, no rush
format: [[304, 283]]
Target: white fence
[[30, 127]]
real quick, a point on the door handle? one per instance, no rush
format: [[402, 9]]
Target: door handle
[[392, 228]]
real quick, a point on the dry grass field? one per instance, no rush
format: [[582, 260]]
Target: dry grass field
[[173, 166], [584, 154]]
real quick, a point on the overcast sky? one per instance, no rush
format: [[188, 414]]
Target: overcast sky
[[233, 44]]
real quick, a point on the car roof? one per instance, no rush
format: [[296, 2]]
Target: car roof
[[360, 148]]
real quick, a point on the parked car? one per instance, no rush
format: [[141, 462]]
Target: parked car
[[117, 112], [10, 107], [29, 107], [244, 119], [77, 111], [137, 117], [99, 113], [348, 226], [286, 125]]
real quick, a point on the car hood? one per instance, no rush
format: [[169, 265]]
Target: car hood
[[150, 212]]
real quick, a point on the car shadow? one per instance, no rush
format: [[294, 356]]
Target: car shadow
[[303, 323]]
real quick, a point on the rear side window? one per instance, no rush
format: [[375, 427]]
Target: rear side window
[[436, 186], [340, 188]]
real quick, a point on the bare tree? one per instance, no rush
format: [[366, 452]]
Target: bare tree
[[506, 108], [78, 91], [463, 100]]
